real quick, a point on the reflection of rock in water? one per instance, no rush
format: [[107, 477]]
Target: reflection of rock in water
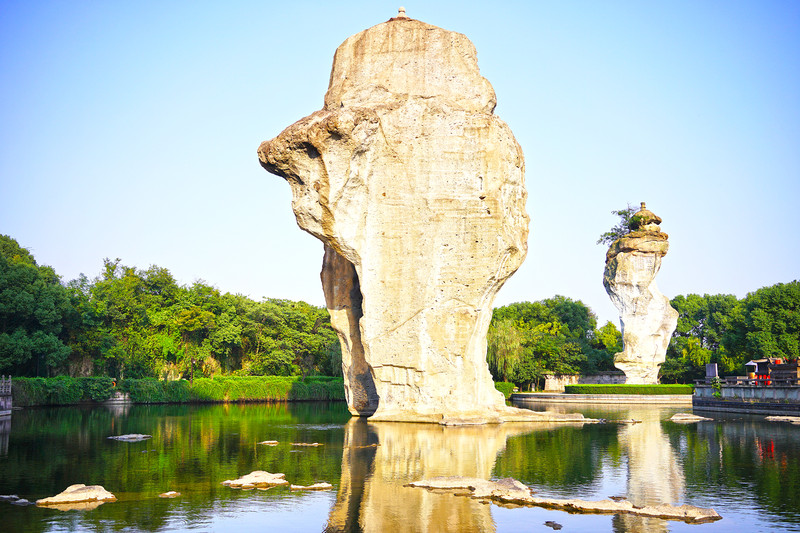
[[372, 495], [654, 475]]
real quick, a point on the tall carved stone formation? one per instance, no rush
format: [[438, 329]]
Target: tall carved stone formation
[[417, 191], [648, 320]]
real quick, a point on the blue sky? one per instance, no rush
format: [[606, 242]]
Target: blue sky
[[130, 130]]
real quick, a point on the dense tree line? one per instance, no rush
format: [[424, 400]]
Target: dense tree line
[[136, 323], [558, 335], [730, 332], [128, 322]]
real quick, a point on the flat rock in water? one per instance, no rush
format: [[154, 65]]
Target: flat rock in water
[[790, 419], [20, 501], [315, 486], [511, 491], [257, 478], [131, 437], [269, 442], [170, 494], [79, 493], [306, 444], [687, 418], [7, 497]]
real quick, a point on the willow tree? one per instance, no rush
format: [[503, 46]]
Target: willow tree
[[504, 349]]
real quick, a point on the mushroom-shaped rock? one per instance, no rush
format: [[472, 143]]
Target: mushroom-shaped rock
[[79, 493], [645, 219], [417, 191], [648, 320]]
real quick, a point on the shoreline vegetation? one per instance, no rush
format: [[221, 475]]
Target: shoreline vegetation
[[129, 324], [63, 390]]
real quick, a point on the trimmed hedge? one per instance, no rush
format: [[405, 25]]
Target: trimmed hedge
[[505, 387], [64, 390], [234, 389], [61, 390], [629, 389]]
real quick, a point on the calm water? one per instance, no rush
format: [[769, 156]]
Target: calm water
[[745, 468]]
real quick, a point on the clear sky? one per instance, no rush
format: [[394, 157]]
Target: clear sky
[[130, 129]]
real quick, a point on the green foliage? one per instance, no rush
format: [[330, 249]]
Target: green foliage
[[766, 323], [234, 389], [139, 323], [716, 385], [721, 329], [98, 388], [505, 387], [504, 348], [61, 390], [34, 308], [557, 335], [629, 389], [627, 223]]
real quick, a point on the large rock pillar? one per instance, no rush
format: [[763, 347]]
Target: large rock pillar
[[417, 190], [647, 319]]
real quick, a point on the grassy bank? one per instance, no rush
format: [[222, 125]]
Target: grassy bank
[[629, 389], [65, 390]]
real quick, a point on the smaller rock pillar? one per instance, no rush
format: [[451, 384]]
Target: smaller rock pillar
[[647, 319]]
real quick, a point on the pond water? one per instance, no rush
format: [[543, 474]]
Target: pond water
[[742, 466]]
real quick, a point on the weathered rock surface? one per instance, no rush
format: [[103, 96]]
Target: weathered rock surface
[[513, 492], [316, 486], [131, 437], [256, 478], [79, 493], [648, 320], [169, 494], [791, 419], [417, 191], [687, 418]]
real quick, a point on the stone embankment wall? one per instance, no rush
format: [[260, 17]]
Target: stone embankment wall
[[773, 399], [5, 395], [557, 382]]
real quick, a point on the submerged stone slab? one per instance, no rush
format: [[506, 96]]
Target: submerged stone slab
[[687, 418], [256, 478], [417, 191], [511, 491], [316, 486], [647, 318], [131, 437]]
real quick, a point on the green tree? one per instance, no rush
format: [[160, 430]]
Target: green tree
[[34, 308], [504, 349], [765, 324], [624, 226], [697, 340]]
